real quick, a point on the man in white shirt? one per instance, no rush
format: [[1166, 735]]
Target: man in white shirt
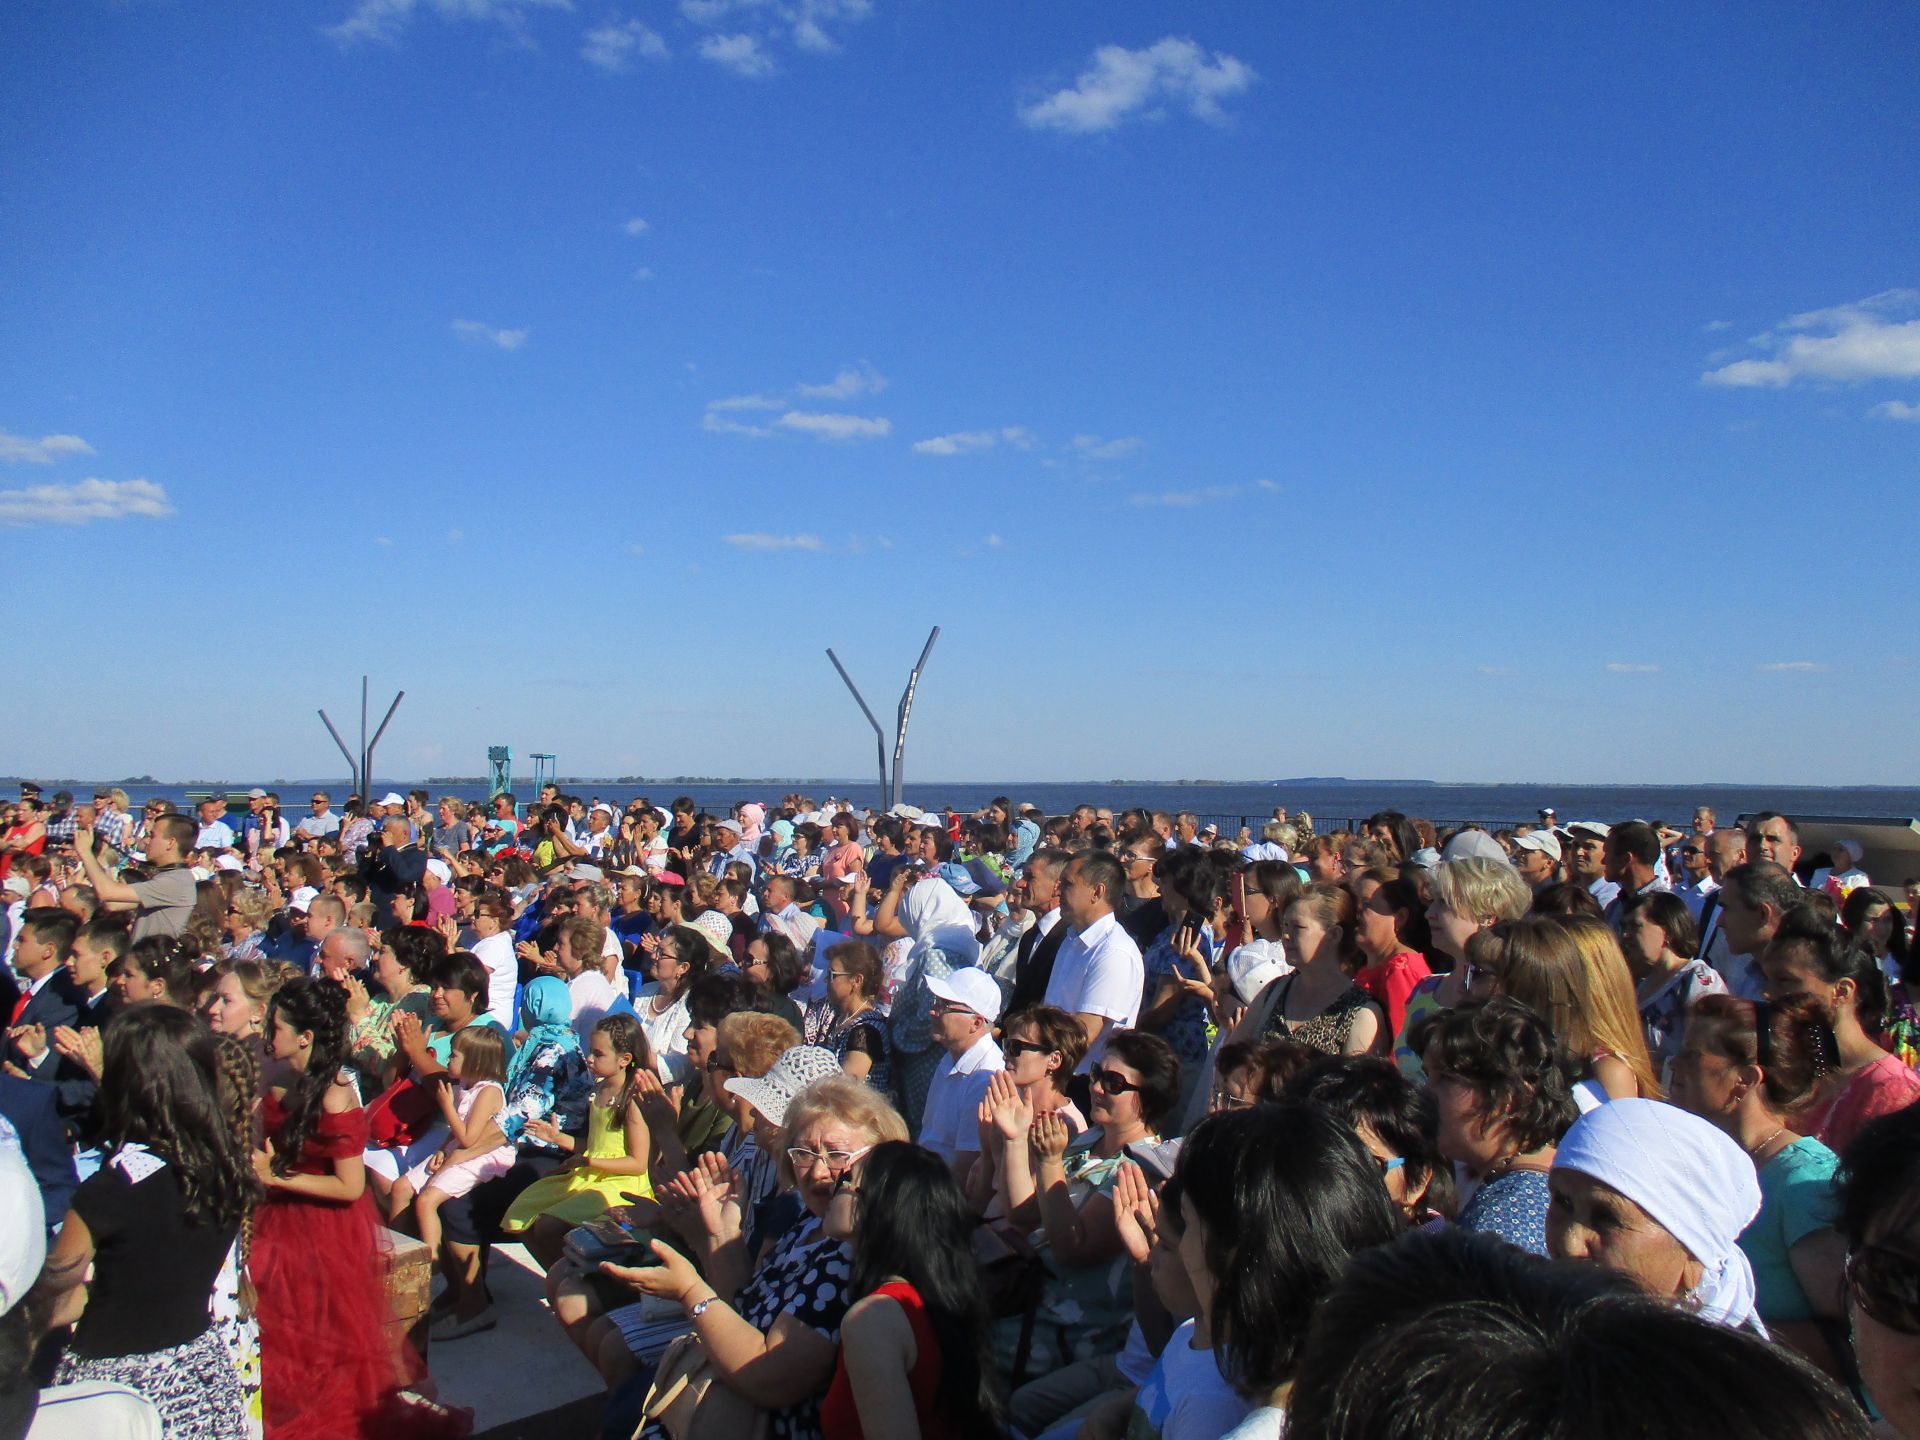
[[965, 1005], [215, 833], [1586, 857], [1098, 975], [322, 821], [1696, 872], [1753, 899]]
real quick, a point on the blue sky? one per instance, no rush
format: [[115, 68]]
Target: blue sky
[[1245, 390]]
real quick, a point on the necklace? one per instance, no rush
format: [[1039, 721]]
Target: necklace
[[1754, 1150]]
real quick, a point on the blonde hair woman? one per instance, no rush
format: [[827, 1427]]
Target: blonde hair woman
[[1469, 895]]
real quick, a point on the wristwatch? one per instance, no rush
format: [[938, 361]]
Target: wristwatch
[[700, 1307]]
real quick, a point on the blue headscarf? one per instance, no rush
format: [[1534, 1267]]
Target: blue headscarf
[[546, 1010]]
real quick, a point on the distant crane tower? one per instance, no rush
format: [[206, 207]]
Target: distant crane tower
[[543, 772], [499, 770]]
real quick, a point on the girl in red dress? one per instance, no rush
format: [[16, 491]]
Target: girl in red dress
[[330, 1370]]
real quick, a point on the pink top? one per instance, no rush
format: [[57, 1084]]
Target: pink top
[[1883, 1087]]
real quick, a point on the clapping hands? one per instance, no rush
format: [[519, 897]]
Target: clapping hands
[[1136, 1211]]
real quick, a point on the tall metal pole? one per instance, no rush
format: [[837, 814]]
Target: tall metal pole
[[366, 770], [879, 735], [353, 770], [383, 729], [906, 709]]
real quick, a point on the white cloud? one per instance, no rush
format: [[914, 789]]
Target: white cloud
[[478, 334], [761, 540], [836, 427], [1617, 668], [1121, 84], [644, 272], [965, 442], [864, 380], [385, 542], [747, 402], [456, 537], [1493, 670], [636, 549], [1714, 327], [383, 20], [994, 542], [19, 450], [1791, 667], [84, 502], [1895, 410], [636, 226], [741, 54], [1094, 448], [716, 423], [1846, 344], [766, 22], [613, 47]]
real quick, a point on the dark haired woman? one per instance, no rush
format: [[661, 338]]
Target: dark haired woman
[[1662, 945], [849, 1021], [916, 1360], [1872, 923], [1878, 1187], [1809, 957], [1395, 1119], [1274, 1200], [1504, 1089], [1748, 1083], [330, 1371], [156, 1223]]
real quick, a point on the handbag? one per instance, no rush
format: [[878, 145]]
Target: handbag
[[690, 1402], [401, 1114], [1014, 1278]]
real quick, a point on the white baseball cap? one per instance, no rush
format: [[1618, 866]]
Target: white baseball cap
[[971, 987]]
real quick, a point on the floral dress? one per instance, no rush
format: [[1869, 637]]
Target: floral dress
[[1188, 1030]]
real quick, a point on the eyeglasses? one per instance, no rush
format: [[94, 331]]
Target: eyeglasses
[[1388, 1164], [1014, 1049], [802, 1158], [1886, 1284], [841, 975], [1691, 850], [716, 1065], [1113, 1082], [1227, 1100]]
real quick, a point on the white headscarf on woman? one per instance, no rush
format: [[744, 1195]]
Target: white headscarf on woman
[[1691, 1178], [933, 913]]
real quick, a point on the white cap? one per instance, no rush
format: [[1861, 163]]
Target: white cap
[[23, 1239], [1592, 829], [227, 862], [440, 871], [603, 808], [1254, 966], [971, 987], [302, 898], [394, 797]]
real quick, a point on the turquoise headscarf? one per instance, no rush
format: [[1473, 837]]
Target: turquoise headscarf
[[546, 1009]]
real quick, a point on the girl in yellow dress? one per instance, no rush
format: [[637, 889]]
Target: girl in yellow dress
[[613, 1162]]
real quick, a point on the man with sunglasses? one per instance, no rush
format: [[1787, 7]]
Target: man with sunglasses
[[322, 821], [965, 1005], [1697, 880]]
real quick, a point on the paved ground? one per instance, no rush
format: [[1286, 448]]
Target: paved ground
[[523, 1379]]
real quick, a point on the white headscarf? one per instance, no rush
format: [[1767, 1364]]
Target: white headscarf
[[1692, 1178], [938, 919]]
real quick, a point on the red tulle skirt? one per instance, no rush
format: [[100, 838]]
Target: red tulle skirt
[[331, 1368]]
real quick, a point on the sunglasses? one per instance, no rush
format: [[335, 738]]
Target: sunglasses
[[1014, 1049], [1886, 1285], [1112, 1081]]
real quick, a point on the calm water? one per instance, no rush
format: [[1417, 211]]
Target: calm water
[[1329, 803]]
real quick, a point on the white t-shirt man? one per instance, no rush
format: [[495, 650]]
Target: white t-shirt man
[[592, 995], [1099, 972], [314, 826], [214, 835], [951, 1120]]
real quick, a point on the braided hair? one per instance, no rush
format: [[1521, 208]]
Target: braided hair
[[319, 1008], [238, 1064]]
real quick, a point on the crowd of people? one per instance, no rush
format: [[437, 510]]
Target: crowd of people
[[825, 1123]]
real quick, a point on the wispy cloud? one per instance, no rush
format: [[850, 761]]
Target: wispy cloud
[[764, 24], [636, 226], [994, 542], [383, 20], [1493, 671], [23, 450], [644, 272], [615, 46], [762, 540], [966, 442], [1094, 448], [854, 380], [475, 333], [1203, 495], [1845, 344], [1123, 84], [1617, 667], [1895, 410], [83, 502], [1791, 667], [742, 54], [836, 427]]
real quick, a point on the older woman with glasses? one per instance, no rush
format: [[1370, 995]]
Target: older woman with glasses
[[771, 1331]]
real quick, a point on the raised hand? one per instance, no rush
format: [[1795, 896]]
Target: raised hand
[[31, 1039], [1012, 1112], [83, 1047], [1136, 1211], [1049, 1137]]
